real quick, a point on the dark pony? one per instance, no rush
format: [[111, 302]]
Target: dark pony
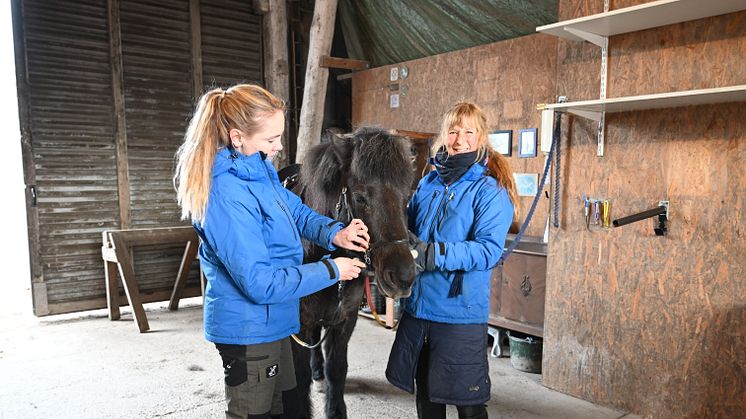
[[368, 175]]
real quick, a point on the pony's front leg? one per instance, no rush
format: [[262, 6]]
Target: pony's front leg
[[336, 367], [317, 357], [301, 362]]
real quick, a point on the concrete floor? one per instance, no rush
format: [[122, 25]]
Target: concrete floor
[[85, 366]]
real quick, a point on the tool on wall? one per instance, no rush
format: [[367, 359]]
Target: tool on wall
[[598, 210], [661, 211]]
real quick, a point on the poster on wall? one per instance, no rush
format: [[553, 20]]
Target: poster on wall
[[527, 183], [501, 141], [527, 142]]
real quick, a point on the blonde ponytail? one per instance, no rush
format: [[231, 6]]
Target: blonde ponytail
[[242, 107], [499, 169]]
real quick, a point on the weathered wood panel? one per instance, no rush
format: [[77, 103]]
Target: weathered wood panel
[[231, 43], [507, 79], [653, 325], [71, 147], [106, 88]]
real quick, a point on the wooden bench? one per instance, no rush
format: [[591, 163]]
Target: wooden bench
[[118, 259]]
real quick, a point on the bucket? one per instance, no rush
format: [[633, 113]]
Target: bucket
[[525, 352]]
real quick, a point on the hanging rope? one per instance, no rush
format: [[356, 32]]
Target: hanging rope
[[555, 147]]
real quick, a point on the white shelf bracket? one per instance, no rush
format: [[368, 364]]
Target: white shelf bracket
[[590, 37], [592, 115]]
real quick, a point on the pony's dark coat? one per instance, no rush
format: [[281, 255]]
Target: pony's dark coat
[[375, 166]]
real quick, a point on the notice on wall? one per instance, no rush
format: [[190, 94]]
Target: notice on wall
[[394, 101]]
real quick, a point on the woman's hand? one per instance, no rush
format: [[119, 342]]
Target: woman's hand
[[353, 237], [348, 268]]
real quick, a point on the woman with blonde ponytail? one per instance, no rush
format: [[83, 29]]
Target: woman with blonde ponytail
[[458, 219], [250, 249]]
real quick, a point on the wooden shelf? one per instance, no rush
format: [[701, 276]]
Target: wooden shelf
[[640, 17], [592, 109]]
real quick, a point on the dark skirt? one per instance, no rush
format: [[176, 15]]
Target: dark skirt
[[457, 370]]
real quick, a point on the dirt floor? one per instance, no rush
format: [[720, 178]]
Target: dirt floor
[[86, 366]]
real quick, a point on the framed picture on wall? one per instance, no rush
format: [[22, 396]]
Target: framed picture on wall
[[502, 141], [526, 183], [527, 142]]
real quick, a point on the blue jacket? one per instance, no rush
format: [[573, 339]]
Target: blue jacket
[[468, 222], [251, 252]]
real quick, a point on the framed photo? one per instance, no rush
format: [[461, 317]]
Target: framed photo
[[501, 141], [527, 183], [527, 142]]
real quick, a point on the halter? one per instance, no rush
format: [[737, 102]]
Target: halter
[[343, 213]]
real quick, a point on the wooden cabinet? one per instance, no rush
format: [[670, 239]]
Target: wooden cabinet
[[517, 291]]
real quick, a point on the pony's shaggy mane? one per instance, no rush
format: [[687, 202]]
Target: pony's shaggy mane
[[368, 155]]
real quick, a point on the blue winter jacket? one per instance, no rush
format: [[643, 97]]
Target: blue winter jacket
[[251, 252], [468, 222]]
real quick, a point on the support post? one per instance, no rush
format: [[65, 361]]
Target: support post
[[276, 67], [314, 93]]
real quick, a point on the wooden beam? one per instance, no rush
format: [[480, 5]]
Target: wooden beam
[[346, 63], [190, 254], [196, 30], [127, 273], [112, 288], [120, 123], [314, 92], [38, 287], [139, 237], [416, 135], [276, 63]]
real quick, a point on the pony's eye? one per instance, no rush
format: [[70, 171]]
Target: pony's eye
[[360, 199]]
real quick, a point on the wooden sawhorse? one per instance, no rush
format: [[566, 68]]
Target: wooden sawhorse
[[117, 254]]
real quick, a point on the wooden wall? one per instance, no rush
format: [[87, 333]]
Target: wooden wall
[[507, 79], [652, 325], [106, 88]]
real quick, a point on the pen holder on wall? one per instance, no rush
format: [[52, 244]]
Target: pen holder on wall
[[661, 211]]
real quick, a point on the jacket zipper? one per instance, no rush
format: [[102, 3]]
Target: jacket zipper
[[285, 210], [445, 209], [430, 235], [290, 219]]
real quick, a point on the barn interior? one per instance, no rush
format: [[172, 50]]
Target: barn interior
[[622, 120]]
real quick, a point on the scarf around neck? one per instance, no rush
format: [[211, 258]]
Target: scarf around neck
[[451, 167]]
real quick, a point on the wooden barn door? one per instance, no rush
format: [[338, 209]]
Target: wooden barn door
[[106, 88]]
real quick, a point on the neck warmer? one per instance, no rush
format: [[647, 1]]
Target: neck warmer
[[451, 167]]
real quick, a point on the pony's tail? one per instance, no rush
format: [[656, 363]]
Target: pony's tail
[[196, 156], [499, 168]]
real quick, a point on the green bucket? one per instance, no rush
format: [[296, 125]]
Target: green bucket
[[525, 352]]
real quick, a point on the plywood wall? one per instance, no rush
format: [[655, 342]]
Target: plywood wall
[[654, 325], [507, 79]]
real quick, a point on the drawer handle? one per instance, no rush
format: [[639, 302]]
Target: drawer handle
[[526, 285]]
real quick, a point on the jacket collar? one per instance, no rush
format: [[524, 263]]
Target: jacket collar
[[253, 167]]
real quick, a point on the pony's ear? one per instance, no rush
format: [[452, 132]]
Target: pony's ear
[[342, 145]]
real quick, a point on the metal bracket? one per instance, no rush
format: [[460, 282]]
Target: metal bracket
[[664, 204]]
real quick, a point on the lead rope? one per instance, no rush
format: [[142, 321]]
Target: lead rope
[[555, 147], [342, 203]]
